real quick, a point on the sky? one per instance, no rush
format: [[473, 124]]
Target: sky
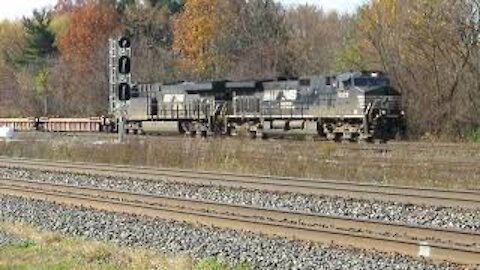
[[16, 9]]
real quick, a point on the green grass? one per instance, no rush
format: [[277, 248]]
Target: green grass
[[47, 250], [58, 255], [214, 264], [474, 136]]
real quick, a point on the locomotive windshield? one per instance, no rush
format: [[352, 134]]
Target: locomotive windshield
[[363, 82]]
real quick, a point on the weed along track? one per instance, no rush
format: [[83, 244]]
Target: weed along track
[[433, 243]]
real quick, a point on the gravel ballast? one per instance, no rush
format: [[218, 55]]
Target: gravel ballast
[[199, 241], [413, 214]]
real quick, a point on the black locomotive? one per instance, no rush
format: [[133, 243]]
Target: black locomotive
[[350, 106]]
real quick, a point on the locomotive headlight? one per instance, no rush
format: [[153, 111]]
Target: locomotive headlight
[[402, 113], [384, 112]]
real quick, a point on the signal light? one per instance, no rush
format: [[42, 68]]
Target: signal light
[[124, 92], [124, 43], [124, 65]]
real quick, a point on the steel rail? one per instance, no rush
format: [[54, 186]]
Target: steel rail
[[404, 194], [418, 233], [377, 162], [248, 220]]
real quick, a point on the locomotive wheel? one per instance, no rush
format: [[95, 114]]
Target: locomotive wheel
[[320, 130], [338, 137], [232, 131], [355, 138], [181, 128]]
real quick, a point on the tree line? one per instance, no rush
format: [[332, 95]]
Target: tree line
[[54, 62]]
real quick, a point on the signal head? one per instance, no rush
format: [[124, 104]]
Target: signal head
[[124, 91], [124, 43]]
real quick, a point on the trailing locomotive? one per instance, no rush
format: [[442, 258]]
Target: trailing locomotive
[[350, 106]]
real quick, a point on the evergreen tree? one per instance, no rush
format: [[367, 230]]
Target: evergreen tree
[[40, 39], [173, 6]]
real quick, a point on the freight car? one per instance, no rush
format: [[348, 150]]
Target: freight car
[[350, 106], [92, 124], [45, 124], [19, 124]]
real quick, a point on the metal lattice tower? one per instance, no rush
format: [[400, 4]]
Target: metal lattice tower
[[113, 82], [115, 52]]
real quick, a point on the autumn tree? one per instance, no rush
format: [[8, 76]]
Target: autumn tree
[[261, 41], [234, 38], [194, 33], [315, 37], [151, 26], [430, 48], [152, 22], [79, 76], [90, 27], [12, 44]]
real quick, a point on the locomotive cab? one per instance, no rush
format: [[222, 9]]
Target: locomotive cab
[[379, 102]]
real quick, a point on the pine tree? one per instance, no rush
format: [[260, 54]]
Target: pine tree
[[40, 39]]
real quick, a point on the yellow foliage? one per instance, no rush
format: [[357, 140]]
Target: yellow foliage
[[60, 25], [380, 12], [12, 41], [195, 31]]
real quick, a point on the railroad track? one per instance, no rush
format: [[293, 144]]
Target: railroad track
[[436, 244], [404, 194]]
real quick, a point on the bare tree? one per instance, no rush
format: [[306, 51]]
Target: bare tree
[[431, 50]]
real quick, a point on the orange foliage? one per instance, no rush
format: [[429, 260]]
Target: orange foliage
[[195, 31], [89, 28]]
